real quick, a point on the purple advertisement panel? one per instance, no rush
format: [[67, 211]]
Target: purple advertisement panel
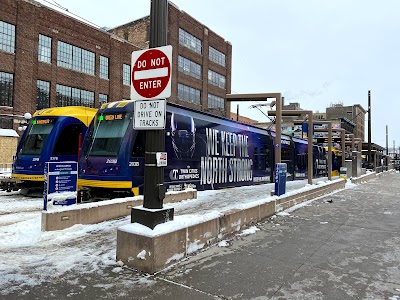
[[203, 154]]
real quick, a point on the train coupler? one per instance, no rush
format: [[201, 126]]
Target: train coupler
[[8, 186]]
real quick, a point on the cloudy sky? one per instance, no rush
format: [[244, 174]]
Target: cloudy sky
[[314, 52]]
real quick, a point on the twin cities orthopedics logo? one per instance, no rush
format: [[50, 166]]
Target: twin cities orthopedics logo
[[227, 158]]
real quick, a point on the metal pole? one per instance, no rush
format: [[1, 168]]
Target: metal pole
[[369, 130], [387, 141], [278, 128], [154, 189], [310, 147], [237, 112], [343, 131], [330, 151]]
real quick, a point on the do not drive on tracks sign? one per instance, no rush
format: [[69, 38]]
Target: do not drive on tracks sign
[[151, 73], [150, 114]]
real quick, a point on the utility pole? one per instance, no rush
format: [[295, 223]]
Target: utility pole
[[369, 130], [387, 141], [394, 147]]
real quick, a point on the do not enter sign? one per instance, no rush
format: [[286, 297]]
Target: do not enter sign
[[151, 73]]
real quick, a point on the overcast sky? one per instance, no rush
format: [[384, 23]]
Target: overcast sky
[[314, 52]]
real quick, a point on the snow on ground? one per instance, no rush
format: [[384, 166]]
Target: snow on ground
[[29, 256]]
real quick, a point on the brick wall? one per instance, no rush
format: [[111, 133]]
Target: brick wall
[[137, 32], [32, 19]]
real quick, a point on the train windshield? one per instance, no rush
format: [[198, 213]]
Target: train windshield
[[108, 132], [37, 133]]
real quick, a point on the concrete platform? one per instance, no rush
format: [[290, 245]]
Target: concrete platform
[[92, 213], [153, 250]]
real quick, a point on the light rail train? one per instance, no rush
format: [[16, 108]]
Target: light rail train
[[204, 152], [53, 134]]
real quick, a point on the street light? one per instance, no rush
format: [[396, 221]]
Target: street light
[[27, 117]]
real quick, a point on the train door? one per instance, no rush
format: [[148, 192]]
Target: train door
[[301, 157], [287, 157], [68, 143], [263, 160], [137, 161]]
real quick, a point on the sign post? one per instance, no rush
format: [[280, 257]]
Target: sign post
[[151, 81]]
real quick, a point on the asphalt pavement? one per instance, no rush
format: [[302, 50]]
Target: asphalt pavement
[[341, 246]]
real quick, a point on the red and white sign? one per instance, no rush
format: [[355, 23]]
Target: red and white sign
[[151, 73], [161, 159]]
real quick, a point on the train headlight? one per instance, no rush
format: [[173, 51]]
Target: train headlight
[[110, 170]]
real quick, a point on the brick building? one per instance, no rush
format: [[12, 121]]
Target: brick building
[[242, 119], [353, 114], [51, 59], [201, 60]]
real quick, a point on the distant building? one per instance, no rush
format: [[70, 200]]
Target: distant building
[[354, 114], [49, 59], [291, 106], [319, 116], [201, 60], [242, 119]]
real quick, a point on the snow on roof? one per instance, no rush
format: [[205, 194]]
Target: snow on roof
[[8, 132]]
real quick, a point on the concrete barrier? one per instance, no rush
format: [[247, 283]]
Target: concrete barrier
[[153, 250], [364, 178], [92, 213], [370, 175]]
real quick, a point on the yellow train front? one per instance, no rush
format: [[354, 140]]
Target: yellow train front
[[53, 134]]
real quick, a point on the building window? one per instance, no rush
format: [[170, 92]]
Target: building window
[[88, 62], [7, 37], [189, 67], [103, 67], [75, 58], [44, 50], [6, 89], [6, 122], [216, 102], [189, 94], [43, 94], [64, 55], [216, 79], [126, 74], [189, 41], [216, 56], [103, 98], [68, 96]]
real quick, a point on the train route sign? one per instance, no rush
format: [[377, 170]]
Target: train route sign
[[151, 73]]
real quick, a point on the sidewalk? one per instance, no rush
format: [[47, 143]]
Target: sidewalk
[[343, 246]]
